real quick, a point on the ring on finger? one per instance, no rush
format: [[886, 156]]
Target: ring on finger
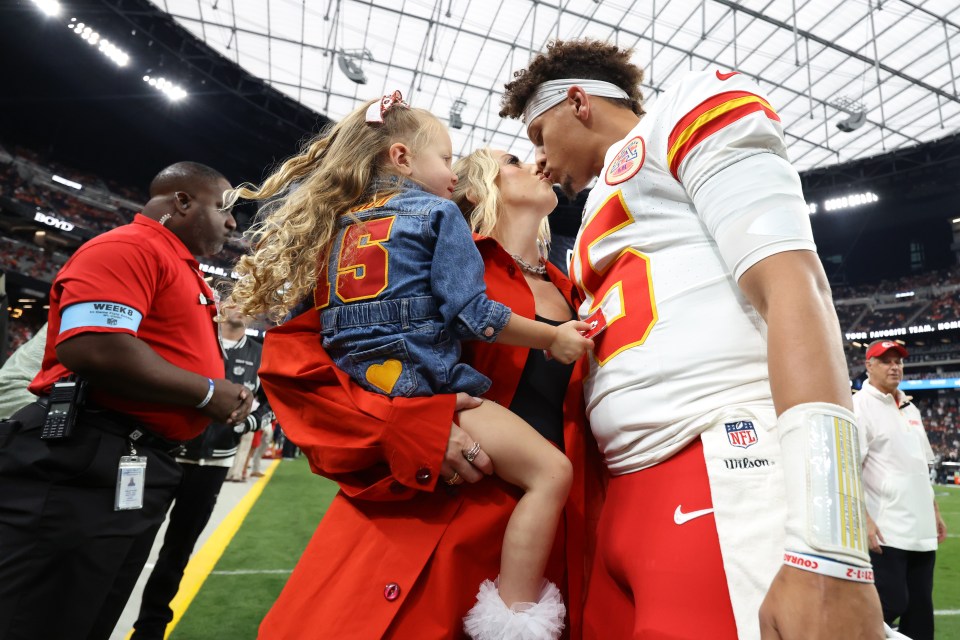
[[472, 453], [454, 479]]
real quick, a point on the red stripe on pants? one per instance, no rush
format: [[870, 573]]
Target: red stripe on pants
[[653, 578]]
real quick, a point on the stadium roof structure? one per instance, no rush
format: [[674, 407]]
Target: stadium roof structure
[[849, 79]]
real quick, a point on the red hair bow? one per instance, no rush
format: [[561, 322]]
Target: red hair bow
[[376, 111]]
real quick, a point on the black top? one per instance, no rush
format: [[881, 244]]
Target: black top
[[241, 363], [539, 396]]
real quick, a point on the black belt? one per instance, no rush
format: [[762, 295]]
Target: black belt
[[119, 425]]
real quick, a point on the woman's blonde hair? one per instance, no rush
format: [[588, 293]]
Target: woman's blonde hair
[[478, 195], [306, 195]]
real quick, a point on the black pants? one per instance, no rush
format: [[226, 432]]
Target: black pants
[[905, 583], [68, 560], [191, 511]]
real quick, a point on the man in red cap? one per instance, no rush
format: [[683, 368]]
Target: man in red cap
[[903, 522]]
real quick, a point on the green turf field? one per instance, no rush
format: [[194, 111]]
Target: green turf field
[[946, 579], [267, 546], [264, 550]]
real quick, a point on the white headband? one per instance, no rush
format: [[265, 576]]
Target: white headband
[[553, 92]]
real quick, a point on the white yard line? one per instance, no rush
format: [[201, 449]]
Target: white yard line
[[248, 572]]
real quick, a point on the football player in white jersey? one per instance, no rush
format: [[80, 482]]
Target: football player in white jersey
[[718, 391]]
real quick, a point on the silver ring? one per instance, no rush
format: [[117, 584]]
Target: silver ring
[[454, 479], [472, 454]]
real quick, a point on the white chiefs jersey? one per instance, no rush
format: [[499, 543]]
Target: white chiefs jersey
[[697, 193]]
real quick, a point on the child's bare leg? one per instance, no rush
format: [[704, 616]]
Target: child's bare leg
[[525, 459]]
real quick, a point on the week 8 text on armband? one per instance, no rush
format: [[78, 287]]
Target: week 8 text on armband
[[100, 306]]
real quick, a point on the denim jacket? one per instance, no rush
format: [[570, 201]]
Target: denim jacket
[[405, 286]]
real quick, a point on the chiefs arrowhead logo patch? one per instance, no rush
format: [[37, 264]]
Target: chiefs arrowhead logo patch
[[627, 162]]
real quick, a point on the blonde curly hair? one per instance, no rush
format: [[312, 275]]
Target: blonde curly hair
[[304, 198], [477, 193]]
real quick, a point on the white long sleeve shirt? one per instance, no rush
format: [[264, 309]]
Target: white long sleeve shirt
[[896, 452]]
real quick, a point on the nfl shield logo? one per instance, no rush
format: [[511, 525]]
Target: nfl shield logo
[[741, 434]]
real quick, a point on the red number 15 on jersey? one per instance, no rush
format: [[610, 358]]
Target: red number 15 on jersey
[[362, 266], [627, 276]]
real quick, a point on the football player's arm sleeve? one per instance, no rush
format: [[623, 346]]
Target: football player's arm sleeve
[[755, 209], [729, 154]]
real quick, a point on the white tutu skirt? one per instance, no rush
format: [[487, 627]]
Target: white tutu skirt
[[491, 619]]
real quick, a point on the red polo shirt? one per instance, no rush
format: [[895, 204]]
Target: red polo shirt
[[142, 280]]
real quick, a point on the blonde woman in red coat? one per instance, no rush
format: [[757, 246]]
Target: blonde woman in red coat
[[399, 552]]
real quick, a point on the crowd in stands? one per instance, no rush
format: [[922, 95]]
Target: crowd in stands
[[78, 175], [848, 292], [874, 307], [59, 204], [14, 186], [29, 259], [941, 417], [16, 183], [890, 317], [83, 214], [936, 352], [889, 287], [19, 331], [848, 313], [946, 307], [24, 180]]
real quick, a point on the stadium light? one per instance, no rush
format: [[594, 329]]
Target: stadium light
[[69, 183], [456, 113], [856, 113], [49, 7], [853, 200], [171, 90], [107, 48], [350, 61]]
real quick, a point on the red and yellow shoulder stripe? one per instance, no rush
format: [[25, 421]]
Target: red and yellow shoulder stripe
[[708, 117]]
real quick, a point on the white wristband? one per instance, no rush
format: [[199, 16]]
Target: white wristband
[[821, 467], [206, 399], [827, 567]]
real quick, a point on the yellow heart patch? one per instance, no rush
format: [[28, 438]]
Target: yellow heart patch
[[384, 376]]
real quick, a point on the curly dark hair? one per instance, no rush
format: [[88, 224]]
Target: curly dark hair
[[592, 59]]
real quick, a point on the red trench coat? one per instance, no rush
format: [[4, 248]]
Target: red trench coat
[[398, 554]]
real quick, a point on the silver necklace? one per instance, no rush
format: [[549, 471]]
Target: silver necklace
[[537, 270]]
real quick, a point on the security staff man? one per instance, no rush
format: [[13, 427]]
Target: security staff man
[[131, 315], [205, 461]]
